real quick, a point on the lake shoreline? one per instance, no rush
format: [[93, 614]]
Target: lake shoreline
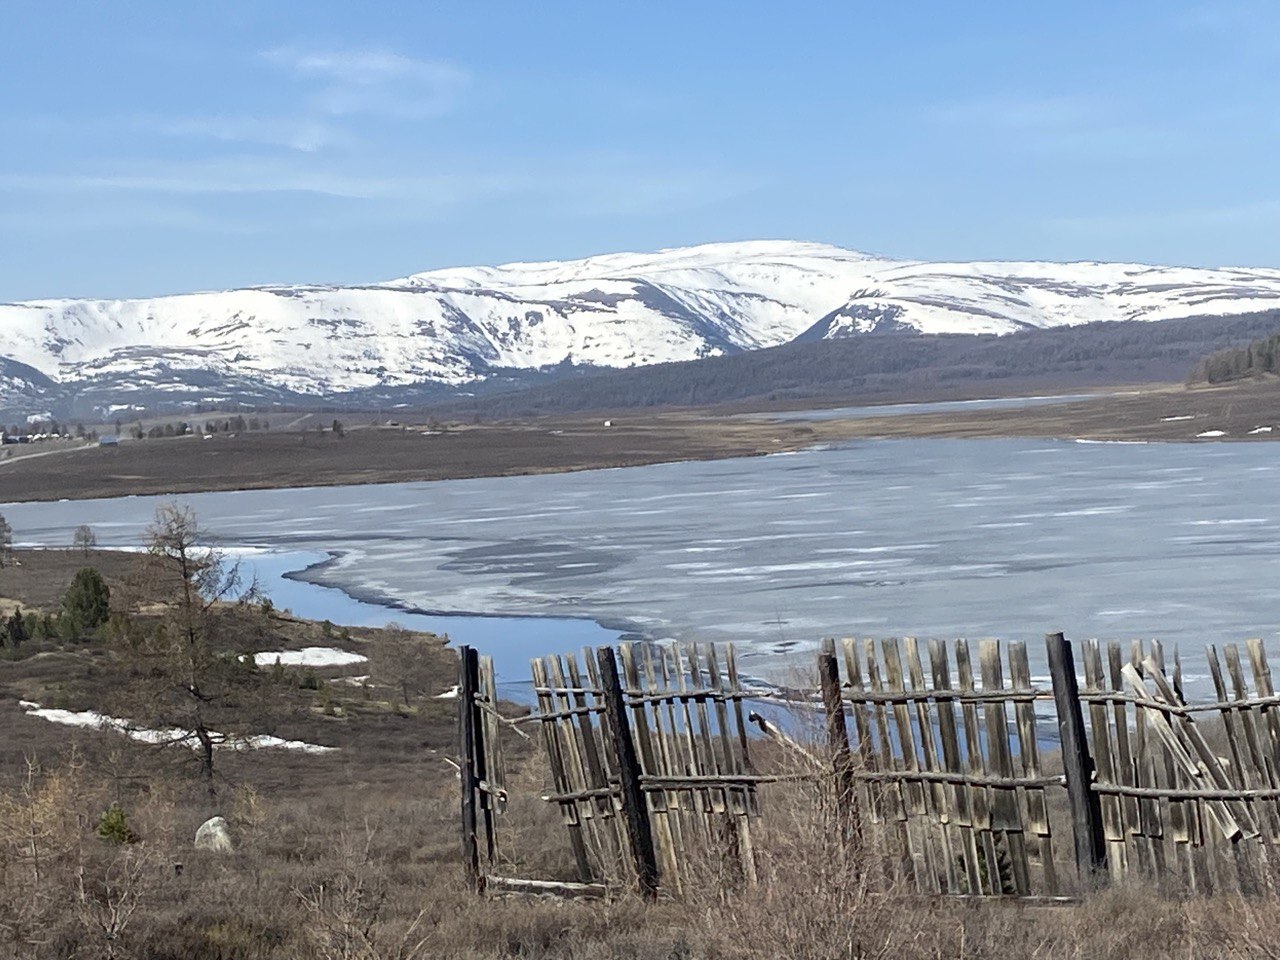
[[1164, 413]]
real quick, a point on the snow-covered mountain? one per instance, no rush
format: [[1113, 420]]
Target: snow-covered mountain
[[462, 326]]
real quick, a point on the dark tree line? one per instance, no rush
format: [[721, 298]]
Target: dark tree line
[[1239, 363], [889, 365]]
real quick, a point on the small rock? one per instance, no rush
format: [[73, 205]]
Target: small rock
[[213, 835]]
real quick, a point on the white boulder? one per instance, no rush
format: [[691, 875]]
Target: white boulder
[[214, 835]]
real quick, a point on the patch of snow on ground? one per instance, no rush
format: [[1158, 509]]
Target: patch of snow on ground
[[1171, 419], [309, 657], [1211, 433], [99, 721], [1260, 430]]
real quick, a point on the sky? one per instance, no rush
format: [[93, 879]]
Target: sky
[[151, 148]]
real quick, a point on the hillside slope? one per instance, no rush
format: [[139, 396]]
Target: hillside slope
[[460, 327]]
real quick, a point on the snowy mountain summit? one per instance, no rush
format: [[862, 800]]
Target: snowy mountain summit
[[465, 325]]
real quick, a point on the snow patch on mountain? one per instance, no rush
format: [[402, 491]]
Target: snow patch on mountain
[[456, 326]]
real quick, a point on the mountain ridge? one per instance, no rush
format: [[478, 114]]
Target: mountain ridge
[[458, 328]]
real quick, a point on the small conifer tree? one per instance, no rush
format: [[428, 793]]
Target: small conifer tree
[[114, 829]]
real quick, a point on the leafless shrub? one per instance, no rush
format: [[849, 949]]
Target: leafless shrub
[[352, 912]]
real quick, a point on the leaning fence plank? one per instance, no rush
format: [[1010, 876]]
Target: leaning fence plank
[[666, 742], [635, 810], [1148, 767], [657, 799], [559, 775], [1208, 763], [597, 808], [1177, 752]]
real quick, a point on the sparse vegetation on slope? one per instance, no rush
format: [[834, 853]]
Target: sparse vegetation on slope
[[1259, 358]]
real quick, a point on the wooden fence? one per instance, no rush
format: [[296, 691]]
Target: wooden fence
[[949, 772], [649, 761], [956, 773], [1189, 793]]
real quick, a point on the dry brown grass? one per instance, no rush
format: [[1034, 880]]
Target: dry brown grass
[[355, 855], [346, 875]]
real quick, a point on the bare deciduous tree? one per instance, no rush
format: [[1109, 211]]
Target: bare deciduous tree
[[403, 661], [84, 539], [182, 682], [6, 541]]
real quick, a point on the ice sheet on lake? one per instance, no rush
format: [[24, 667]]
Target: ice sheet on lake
[[936, 538]]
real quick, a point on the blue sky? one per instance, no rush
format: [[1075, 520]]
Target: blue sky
[[148, 148]]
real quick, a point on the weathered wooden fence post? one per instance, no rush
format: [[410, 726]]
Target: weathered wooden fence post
[[848, 815], [1077, 763], [635, 810], [837, 727], [468, 687]]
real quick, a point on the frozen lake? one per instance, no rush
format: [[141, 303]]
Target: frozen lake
[[937, 538]]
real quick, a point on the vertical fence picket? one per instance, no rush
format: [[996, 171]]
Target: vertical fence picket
[[975, 753], [1111, 806], [1004, 811], [959, 794], [946, 876], [1036, 804], [733, 750], [900, 804]]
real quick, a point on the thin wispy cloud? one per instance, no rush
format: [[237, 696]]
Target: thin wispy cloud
[[337, 86], [585, 186], [295, 133], [377, 82]]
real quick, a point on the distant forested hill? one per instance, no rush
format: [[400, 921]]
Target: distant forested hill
[[898, 366], [1239, 363]]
